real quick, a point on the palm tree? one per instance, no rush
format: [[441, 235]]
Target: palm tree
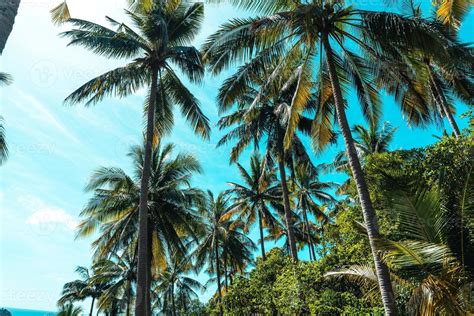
[[159, 40], [306, 187], [119, 272], [261, 117], [428, 81], [251, 200], [70, 310], [81, 289], [175, 286], [114, 208], [424, 261], [221, 235], [321, 31]]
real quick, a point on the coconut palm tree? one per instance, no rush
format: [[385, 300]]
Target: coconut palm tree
[[175, 285], [426, 80], [81, 289], [119, 272], [251, 200], [306, 188], [113, 211], [222, 235], [157, 40], [261, 117], [321, 30]]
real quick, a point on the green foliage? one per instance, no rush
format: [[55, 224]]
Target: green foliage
[[278, 285]]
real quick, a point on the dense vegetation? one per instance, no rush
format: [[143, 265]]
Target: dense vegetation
[[396, 237]]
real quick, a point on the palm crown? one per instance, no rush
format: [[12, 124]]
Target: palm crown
[[171, 199], [159, 42], [251, 200]]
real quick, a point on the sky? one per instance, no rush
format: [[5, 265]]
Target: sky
[[55, 148]]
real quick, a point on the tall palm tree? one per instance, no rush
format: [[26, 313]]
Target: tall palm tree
[[261, 117], [82, 288], [322, 31], [221, 235], [306, 187], [251, 200], [114, 208], [158, 40]]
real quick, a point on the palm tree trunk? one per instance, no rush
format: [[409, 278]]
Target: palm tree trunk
[[142, 302], [260, 227], [218, 272], [173, 305], [370, 219], [149, 277], [323, 242], [129, 296], [443, 103], [286, 204], [92, 306], [225, 273], [310, 240]]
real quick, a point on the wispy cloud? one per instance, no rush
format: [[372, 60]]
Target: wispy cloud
[[36, 110]]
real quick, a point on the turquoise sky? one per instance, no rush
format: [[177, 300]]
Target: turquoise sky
[[54, 148]]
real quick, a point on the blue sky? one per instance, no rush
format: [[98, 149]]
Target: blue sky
[[54, 148]]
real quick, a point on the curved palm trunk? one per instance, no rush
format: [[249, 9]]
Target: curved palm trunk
[[218, 272], [8, 11], [370, 219], [260, 227], [142, 304], [443, 103], [286, 204], [92, 306]]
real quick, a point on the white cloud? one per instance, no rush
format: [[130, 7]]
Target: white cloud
[[53, 216], [45, 215]]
